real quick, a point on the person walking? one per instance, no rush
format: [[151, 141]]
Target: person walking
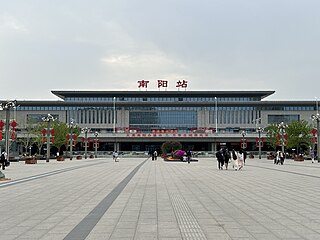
[[240, 159], [115, 156], [155, 154], [244, 156], [226, 155], [235, 164], [150, 154], [188, 156], [279, 157], [3, 160], [220, 159], [312, 156]]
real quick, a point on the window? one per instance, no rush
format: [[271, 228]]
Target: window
[[282, 118]]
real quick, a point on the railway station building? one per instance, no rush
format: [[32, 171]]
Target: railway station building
[[143, 120]]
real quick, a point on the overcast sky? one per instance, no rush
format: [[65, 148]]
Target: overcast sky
[[111, 44]]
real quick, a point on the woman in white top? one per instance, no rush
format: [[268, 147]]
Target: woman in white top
[[240, 159]]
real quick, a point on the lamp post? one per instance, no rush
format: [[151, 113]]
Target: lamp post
[[96, 143], [259, 130], [49, 118], [72, 125], [114, 124], [216, 110], [317, 118], [85, 131], [243, 144], [282, 128], [7, 107]]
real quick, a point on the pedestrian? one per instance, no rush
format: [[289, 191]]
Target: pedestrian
[[312, 156], [155, 154], [240, 159], [281, 157], [115, 156], [150, 154], [226, 155], [235, 163], [188, 156], [3, 160], [244, 157], [220, 159]]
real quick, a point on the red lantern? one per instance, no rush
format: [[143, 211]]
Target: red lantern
[[2, 124], [13, 124], [13, 134], [44, 132]]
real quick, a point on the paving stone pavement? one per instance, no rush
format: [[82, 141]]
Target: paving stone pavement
[[142, 199]]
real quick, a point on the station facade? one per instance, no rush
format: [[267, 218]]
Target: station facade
[[143, 120]]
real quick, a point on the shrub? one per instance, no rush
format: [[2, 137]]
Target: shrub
[[168, 147]]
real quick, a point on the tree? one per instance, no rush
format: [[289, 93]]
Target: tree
[[168, 147], [272, 135], [37, 132], [28, 137], [299, 134], [61, 130]]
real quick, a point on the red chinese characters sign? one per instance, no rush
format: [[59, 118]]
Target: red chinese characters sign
[[162, 84], [167, 135], [143, 84], [182, 84]]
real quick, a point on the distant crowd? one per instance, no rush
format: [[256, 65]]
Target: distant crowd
[[236, 158]]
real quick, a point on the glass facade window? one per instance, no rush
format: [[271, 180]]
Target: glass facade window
[[146, 121], [282, 118], [161, 99], [37, 118]]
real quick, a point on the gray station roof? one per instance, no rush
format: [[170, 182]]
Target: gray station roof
[[86, 104], [78, 93]]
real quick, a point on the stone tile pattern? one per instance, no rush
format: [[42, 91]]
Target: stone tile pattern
[[163, 200]]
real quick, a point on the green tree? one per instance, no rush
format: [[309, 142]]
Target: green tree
[[272, 135], [61, 130], [37, 133], [27, 138], [168, 147], [299, 134]]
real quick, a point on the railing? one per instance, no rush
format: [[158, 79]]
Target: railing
[[141, 154], [176, 135]]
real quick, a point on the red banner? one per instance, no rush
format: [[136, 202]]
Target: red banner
[[168, 135], [261, 142]]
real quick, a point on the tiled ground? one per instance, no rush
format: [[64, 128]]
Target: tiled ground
[[96, 199]]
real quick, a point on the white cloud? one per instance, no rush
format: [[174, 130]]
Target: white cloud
[[156, 60], [9, 23]]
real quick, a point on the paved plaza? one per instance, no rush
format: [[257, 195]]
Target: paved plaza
[[137, 198]]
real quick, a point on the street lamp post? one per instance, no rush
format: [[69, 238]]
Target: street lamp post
[[260, 130], [282, 128], [114, 124], [85, 131], [317, 118], [49, 118], [7, 107], [72, 124], [216, 123], [96, 143], [243, 144], [216, 110]]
